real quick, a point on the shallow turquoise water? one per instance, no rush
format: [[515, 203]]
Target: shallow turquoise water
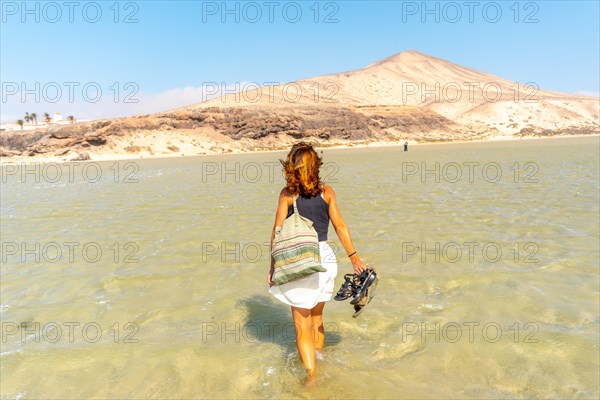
[[150, 279]]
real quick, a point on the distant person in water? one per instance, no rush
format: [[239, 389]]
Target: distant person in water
[[405, 145], [307, 296]]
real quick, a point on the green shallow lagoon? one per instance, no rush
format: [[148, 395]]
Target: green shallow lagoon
[[149, 276]]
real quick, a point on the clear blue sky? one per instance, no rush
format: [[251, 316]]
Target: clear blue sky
[[179, 44]]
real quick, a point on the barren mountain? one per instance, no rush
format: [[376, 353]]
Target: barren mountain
[[480, 101], [409, 96]]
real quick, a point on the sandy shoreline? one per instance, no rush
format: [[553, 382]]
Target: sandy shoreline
[[129, 157]]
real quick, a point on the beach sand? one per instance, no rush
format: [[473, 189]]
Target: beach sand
[[184, 146]]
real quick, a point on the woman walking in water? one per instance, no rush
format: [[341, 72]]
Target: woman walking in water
[[307, 296]]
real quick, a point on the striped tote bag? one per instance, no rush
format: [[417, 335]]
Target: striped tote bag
[[295, 249]]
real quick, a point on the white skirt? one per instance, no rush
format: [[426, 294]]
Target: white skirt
[[312, 289]]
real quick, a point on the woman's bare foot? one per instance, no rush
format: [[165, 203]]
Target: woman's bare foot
[[310, 379]]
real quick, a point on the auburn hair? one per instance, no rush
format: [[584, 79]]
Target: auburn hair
[[301, 170]]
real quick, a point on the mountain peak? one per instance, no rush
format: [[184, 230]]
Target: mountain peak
[[408, 56]]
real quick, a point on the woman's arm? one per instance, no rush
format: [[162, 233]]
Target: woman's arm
[[280, 215], [342, 230]]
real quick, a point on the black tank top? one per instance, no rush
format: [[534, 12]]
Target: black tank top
[[317, 210]]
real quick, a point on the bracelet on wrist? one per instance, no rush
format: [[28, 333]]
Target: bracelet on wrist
[[352, 254]]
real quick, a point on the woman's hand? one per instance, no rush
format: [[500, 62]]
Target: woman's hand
[[270, 278], [357, 264]]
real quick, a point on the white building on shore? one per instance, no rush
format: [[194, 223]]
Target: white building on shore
[[57, 119]]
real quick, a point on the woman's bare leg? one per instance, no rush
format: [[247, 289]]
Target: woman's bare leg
[[304, 339], [317, 325]]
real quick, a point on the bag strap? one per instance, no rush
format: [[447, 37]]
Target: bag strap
[[295, 210]]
